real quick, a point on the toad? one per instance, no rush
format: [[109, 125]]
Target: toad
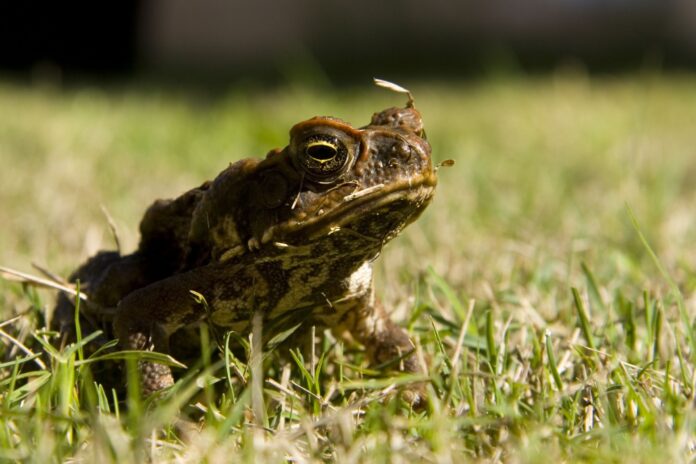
[[291, 237]]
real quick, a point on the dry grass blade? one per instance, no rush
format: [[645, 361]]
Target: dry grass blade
[[23, 348], [23, 277], [50, 274], [257, 400], [456, 357], [394, 88], [112, 227], [333, 415], [10, 321]]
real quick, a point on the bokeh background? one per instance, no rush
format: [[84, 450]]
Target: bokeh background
[[220, 41], [559, 114]]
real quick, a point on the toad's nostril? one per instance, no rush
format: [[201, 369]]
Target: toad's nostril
[[402, 150]]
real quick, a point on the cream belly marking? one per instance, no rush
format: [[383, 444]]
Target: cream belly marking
[[360, 280]]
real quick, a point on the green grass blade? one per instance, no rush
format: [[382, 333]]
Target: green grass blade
[[676, 293], [583, 319], [553, 367]]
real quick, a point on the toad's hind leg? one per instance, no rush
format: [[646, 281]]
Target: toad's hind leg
[[146, 318], [386, 343], [63, 317], [365, 320]]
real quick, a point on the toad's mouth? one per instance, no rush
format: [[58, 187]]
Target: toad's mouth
[[416, 193]]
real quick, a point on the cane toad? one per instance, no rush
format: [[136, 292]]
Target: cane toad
[[292, 236]]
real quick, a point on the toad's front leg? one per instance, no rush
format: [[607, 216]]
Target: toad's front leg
[[385, 342], [146, 318]]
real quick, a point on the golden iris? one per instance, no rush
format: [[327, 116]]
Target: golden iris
[[323, 157], [321, 151]]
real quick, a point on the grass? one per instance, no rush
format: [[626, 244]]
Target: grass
[[549, 287]]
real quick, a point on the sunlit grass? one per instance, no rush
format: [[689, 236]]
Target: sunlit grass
[[555, 326]]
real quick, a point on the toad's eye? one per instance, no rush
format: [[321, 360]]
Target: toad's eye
[[323, 156], [321, 151]]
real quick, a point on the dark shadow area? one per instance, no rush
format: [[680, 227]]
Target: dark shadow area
[[95, 39], [213, 43]]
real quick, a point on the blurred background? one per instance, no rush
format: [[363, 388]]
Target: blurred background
[[558, 113], [219, 41]]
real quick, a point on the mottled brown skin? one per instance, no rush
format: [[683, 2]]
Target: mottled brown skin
[[293, 236]]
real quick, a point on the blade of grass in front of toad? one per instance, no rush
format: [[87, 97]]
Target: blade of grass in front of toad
[[312, 387], [553, 367], [584, 322]]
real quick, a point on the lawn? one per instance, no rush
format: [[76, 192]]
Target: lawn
[[550, 286]]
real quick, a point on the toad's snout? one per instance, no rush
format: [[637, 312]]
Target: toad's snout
[[406, 119]]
